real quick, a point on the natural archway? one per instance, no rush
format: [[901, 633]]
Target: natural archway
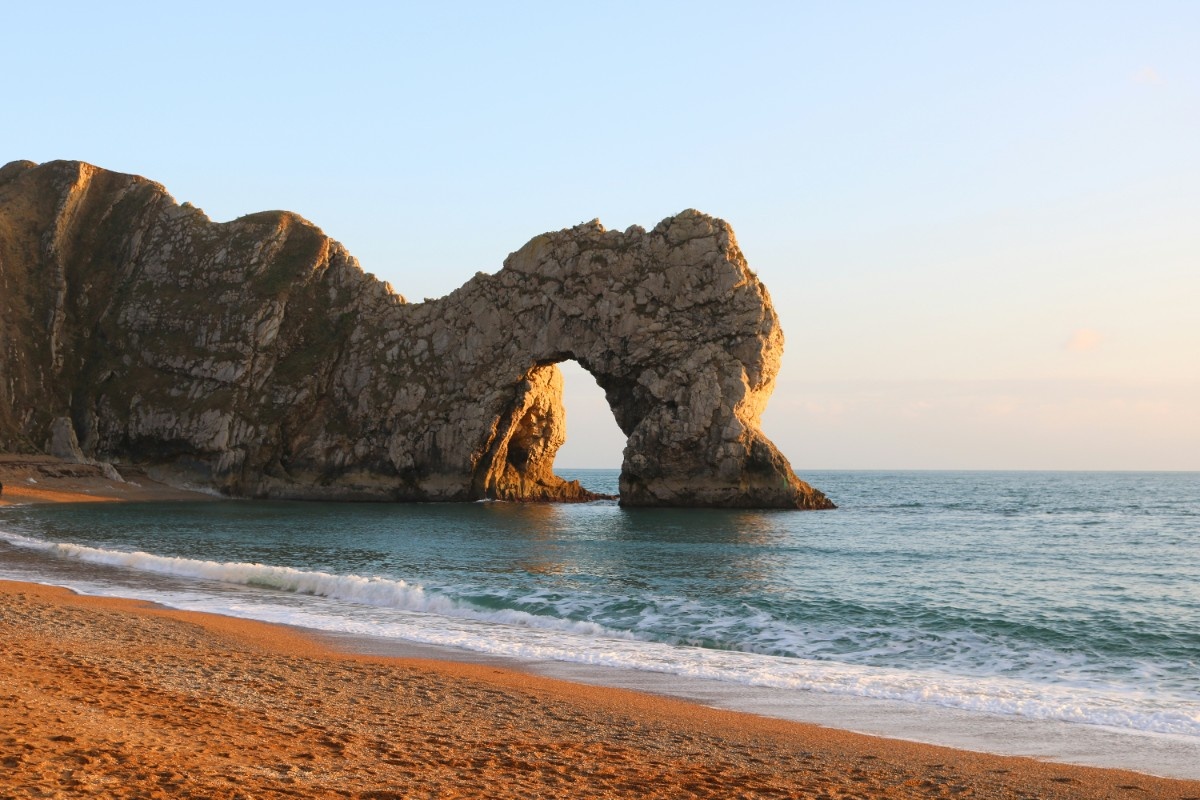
[[255, 357], [681, 337]]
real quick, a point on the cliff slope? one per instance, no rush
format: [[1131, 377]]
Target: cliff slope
[[255, 357]]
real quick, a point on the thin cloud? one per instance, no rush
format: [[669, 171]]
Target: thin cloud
[[1147, 75], [1083, 340]]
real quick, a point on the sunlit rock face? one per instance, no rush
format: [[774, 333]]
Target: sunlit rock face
[[256, 358]]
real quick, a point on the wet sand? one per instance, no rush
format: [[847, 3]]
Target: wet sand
[[114, 698]]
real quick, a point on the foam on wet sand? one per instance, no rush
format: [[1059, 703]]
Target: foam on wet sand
[[123, 699]]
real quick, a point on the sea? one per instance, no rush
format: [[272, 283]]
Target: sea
[[1052, 614]]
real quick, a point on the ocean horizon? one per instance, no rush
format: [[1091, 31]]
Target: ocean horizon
[[1047, 613]]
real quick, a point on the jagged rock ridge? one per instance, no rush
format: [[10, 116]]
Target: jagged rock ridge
[[256, 357]]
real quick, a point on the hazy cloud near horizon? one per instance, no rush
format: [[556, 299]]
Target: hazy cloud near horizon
[[1053, 424], [1084, 339]]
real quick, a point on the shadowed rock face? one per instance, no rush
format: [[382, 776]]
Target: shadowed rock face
[[256, 357]]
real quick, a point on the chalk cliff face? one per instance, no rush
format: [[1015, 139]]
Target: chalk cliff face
[[256, 357]]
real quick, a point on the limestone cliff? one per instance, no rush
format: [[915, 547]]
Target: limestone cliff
[[256, 357]]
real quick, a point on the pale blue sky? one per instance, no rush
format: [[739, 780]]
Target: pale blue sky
[[980, 223]]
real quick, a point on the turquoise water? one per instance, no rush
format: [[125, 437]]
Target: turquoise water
[[1048, 596]]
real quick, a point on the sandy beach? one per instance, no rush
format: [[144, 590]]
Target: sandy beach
[[118, 698], [115, 698], [28, 479]]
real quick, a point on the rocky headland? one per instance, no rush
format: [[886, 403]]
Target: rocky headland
[[256, 358]]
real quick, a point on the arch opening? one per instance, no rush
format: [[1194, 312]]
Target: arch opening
[[595, 444], [594, 440], [523, 454]]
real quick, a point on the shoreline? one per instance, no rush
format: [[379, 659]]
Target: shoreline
[[1052, 741], [123, 697]]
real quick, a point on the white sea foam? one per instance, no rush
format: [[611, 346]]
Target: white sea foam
[[370, 591], [397, 609]]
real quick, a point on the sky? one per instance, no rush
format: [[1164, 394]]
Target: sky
[[979, 222]]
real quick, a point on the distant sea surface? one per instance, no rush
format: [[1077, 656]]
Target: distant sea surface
[[1063, 597]]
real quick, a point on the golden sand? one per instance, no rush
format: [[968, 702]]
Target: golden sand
[[41, 479], [115, 698], [14, 495]]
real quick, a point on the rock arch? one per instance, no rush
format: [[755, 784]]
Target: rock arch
[[674, 327], [256, 357]]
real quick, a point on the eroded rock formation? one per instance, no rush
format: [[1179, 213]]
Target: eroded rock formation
[[257, 358]]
